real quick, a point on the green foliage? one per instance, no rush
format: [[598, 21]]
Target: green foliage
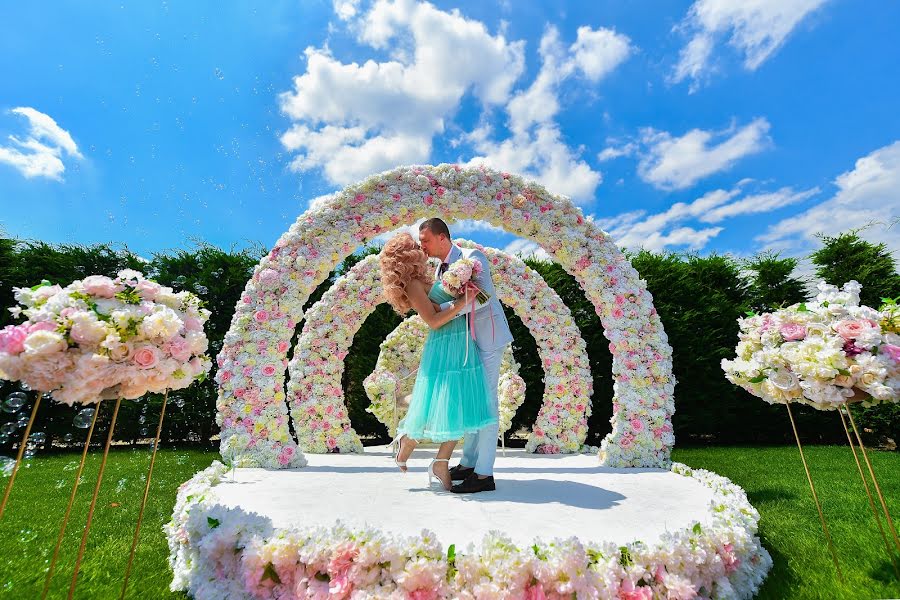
[[847, 256], [698, 298]]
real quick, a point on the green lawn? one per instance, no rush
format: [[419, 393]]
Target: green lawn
[[773, 477]]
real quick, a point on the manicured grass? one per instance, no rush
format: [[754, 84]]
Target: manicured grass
[[789, 523], [773, 478]]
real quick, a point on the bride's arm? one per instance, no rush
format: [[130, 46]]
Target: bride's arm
[[418, 298]]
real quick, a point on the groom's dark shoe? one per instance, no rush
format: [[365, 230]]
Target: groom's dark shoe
[[459, 472], [473, 484]]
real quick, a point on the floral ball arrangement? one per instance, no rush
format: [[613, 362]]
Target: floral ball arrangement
[[103, 337], [822, 353]]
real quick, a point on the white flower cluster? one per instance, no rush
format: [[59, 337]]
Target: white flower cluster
[[822, 353], [511, 391], [218, 552], [272, 302], [103, 337]]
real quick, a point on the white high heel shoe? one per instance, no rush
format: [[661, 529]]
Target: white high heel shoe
[[399, 446], [432, 476]]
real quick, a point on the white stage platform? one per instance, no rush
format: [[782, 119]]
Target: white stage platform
[[353, 526], [541, 495]]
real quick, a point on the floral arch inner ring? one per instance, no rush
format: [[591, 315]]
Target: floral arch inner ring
[[252, 411], [317, 400]]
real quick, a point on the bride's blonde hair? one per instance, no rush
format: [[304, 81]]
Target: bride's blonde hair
[[402, 262]]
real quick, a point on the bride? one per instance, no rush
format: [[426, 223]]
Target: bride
[[450, 397]]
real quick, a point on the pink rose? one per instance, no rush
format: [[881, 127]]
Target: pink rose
[[850, 330], [178, 348], [637, 425], [148, 290], [100, 286], [792, 332], [261, 316], [268, 370], [12, 339], [269, 277], [193, 324], [146, 357], [626, 441], [892, 351]]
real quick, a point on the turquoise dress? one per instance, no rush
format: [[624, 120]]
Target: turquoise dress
[[450, 397]]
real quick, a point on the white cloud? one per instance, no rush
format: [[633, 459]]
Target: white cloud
[[470, 226], [648, 232], [346, 9], [758, 203], [536, 146], [672, 163], [757, 29], [527, 249], [611, 152], [352, 120], [657, 231], [598, 52], [40, 152], [866, 194]]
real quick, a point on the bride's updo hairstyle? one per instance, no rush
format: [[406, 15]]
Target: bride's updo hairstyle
[[402, 261]]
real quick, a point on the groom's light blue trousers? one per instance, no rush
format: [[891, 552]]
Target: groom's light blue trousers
[[480, 448]]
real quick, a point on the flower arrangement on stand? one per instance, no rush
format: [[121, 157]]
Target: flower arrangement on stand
[[828, 354], [103, 338]]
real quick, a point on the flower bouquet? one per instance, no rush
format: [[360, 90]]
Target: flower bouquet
[[458, 279], [822, 353], [102, 338]]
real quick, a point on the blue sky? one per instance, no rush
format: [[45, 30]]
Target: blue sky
[[707, 126]]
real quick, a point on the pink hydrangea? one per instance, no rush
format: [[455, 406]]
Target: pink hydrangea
[[12, 338]]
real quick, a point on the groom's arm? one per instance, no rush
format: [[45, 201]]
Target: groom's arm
[[479, 281]]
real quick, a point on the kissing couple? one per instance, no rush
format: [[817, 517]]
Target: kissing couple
[[455, 392]]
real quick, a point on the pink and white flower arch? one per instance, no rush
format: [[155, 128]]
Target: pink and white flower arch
[[317, 400], [252, 411]]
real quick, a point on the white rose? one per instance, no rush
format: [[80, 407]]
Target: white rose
[[163, 324], [784, 379], [87, 329], [44, 342]]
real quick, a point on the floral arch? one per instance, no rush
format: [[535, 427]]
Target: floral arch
[[252, 411], [317, 400]]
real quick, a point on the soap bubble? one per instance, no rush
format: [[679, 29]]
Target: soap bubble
[[83, 418]]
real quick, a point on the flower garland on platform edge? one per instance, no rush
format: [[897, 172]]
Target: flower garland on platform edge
[[219, 552], [317, 399], [394, 376], [102, 338], [272, 302], [822, 353]]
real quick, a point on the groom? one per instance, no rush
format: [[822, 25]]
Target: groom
[[476, 468]]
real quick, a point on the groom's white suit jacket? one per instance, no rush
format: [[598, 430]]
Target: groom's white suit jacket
[[486, 337]]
